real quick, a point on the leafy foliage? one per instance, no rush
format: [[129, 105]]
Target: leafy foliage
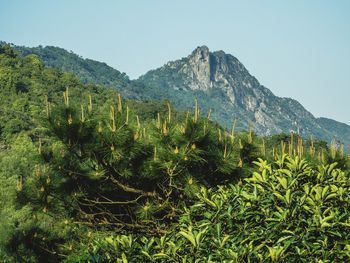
[[89, 177], [286, 211]]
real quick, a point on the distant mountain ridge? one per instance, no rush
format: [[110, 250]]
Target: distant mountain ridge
[[88, 70], [218, 80]]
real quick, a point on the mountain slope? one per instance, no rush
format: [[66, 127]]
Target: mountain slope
[[219, 81], [223, 84], [25, 83], [88, 70], [339, 129]]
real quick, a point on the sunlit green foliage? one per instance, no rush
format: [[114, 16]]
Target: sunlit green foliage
[[286, 211], [88, 177]]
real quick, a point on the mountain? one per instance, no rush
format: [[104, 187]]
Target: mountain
[[218, 80], [341, 130], [88, 70], [25, 83], [224, 85]]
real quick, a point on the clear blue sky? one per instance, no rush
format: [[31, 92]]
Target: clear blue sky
[[296, 48]]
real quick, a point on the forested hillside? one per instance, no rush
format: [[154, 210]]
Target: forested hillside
[[218, 80], [89, 71], [87, 176]]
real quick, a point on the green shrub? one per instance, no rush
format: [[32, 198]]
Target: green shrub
[[285, 212]]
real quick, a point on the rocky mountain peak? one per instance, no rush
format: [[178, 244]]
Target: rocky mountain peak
[[197, 69], [204, 70], [228, 87], [222, 84], [208, 71], [201, 52]]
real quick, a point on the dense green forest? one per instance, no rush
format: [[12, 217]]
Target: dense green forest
[[87, 176], [169, 82], [89, 71]]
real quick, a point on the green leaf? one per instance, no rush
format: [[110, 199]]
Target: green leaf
[[283, 238], [224, 240], [189, 236], [330, 196], [288, 196], [325, 191], [146, 254], [283, 181], [325, 224], [125, 260], [279, 196], [160, 255]]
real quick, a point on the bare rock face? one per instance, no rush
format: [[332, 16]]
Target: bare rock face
[[198, 69], [209, 71]]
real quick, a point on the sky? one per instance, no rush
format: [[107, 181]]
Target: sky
[[298, 49]]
